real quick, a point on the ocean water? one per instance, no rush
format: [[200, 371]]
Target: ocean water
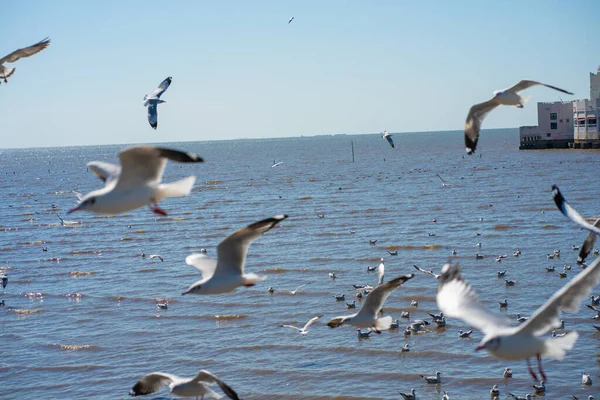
[[81, 319]]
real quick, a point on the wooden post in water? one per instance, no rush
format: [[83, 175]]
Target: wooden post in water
[[352, 143]]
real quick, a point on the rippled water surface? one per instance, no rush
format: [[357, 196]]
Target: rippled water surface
[[81, 319]]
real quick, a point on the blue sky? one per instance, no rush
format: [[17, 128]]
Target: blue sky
[[241, 71]]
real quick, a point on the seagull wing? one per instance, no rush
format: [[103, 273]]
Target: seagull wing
[[390, 141], [570, 212], [232, 250], [207, 376], [301, 286], [202, 263], [436, 276], [588, 244], [473, 124], [525, 84], [567, 299], [105, 171], [164, 85], [142, 165], [291, 326], [25, 52], [152, 114], [457, 299], [377, 297], [312, 321], [152, 382]]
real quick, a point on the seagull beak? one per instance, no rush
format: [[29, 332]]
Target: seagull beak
[[73, 209], [480, 347]]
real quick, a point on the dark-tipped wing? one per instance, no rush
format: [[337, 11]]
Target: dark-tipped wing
[[152, 114], [526, 84], [436, 276], [25, 52], [588, 244], [457, 299], [570, 212], [105, 171], [232, 250], [390, 141], [473, 124], [377, 297], [207, 376], [151, 383], [164, 85]]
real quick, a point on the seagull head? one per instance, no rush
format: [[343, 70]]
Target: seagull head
[[491, 344]]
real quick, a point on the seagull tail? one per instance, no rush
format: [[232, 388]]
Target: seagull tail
[[176, 189], [557, 347], [383, 324]]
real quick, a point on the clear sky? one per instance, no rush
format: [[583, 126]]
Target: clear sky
[[241, 71]]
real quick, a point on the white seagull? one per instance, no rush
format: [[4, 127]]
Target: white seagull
[[227, 272], [304, 329], [293, 292], [380, 272], [507, 97], [388, 137], [428, 272], [157, 256], [367, 316], [567, 210], [137, 181], [153, 99], [6, 72], [184, 387], [457, 299]]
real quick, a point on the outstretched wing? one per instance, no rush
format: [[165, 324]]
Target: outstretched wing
[[473, 124], [567, 299], [588, 244], [202, 263], [570, 212], [152, 114], [457, 299], [436, 276], [164, 85], [312, 321], [390, 140], [151, 383], [207, 376], [25, 52], [526, 84], [105, 171], [377, 297]]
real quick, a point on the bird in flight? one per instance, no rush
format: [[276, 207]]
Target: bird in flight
[[507, 97], [152, 100], [290, 21], [6, 72], [388, 137]]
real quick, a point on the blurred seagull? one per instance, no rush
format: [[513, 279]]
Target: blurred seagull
[[507, 97], [380, 272], [457, 299], [156, 256], [432, 379], [409, 396], [304, 329], [6, 72], [184, 387], [227, 272], [153, 99], [388, 137], [428, 272], [290, 21], [367, 317], [293, 292], [138, 181], [444, 184]]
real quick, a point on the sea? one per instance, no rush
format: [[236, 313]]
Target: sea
[[81, 320]]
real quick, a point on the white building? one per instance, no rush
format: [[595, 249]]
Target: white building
[[595, 85], [586, 115]]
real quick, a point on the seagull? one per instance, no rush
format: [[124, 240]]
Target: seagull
[[6, 72], [291, 19], [405, 314], [276, 164], [367, 316], [185, 387], [586, 379], [388, 137], [405, 348], [363, 335], [163, 306], [432, 379], [373, 241], [446, 396], [139, 182], [411, 396], [521, 319], [371, 269], [464, 335], [293, 292], [440, 322], [590, 397], [444, 184], [156, 256], [428, 272], [527, 397], [457, 299], [507, 97], [540, 389], [503, 304], [393, 253], [332, 275], [435, 317], [380, 273], [227, 272], [396, 324], [500, 274], [4, 279], [153, 99], [304, 329], [494, 391], [509, 282], [550, 269], [414, 303], [351, 305]]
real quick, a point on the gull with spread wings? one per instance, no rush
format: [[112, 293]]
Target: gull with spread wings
[[137, 182], [507, 97], [227, 272], [304, 329], [153, 100], [388, 137], [6, 72], [184, 387], [367, 316]]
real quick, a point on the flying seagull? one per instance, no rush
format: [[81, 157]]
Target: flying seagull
[[304, 329], [507, 97], [290, 21], [6, 72], [388, 137], [457, 299], [367, 316], [227, 272], [153, 99], [185, 387], [568, 211], [137, 182], [444, 184]]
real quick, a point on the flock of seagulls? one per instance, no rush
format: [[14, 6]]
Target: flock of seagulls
[[137, 182]]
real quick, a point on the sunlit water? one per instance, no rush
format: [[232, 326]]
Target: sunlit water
[[60, 345]]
